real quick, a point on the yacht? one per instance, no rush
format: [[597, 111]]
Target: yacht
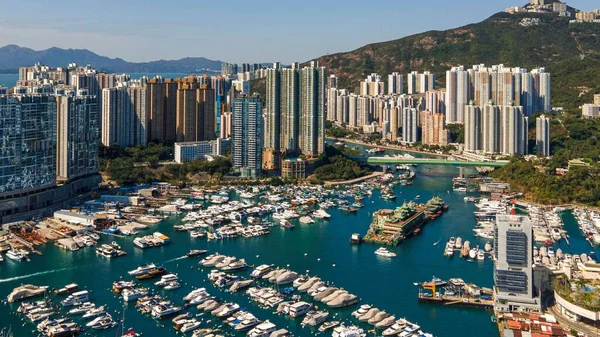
[[314, 318], [173, 285], [473, 253], [69, 288], [480, 255], [261, 270], [75, 298], [348, 331], [166, 279], [227, 310], [94, 312], [133, 294], [328, 325], [245, 322], [16, 255], [299, 309], [82, 309], [306, 220], [142, 269], [194, 293], [458, 244], [384, 252], [361, 311], [105, 322], [63, 329], [237, 265], [264, 329], [321, 214], [165, 310], [191, 325], [396, 328], [152, 273], [26, 291]]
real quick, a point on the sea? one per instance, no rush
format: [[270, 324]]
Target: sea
[[321, 249]]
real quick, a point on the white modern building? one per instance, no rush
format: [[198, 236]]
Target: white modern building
[[246, 146], [472, 121], [395, 84], [188, 151], [542, 135], [410, 125], [513, 267]]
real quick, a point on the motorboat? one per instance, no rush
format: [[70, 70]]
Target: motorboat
[[264, 329], [82, 309], [165, 310], [314, 318], [195, 252], [227, 310], [459, 243], [384, 252], [261, 270], [152, 273], [328, 325], [69, 288], [236, 265], [473, 253], [299, 309], [26, 291], [63, 329], [166, 279], [173, 285], [133, 294], [76, 298], [306, 220], [480, 255], [194, 293], [104, 323], [348, 331], [94, 312], [119, 286], [142, 269], [190, 325], [16, 255]]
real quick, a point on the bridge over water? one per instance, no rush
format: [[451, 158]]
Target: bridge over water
[[429, 161]]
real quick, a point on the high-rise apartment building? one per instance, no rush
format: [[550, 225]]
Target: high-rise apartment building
[[457, 94], [513, 266], [472, 121], [332, 81], [290, 108], [272, 136], [372, 85], [195, 111], [226, 125], [246, 146], [332, 95], [490, 129], [76, 136], [312, 109], [513, 130], [542, 135], [117, 117], [162, 106], [434, 130], [27, 142], [395, 84], [410, 125]]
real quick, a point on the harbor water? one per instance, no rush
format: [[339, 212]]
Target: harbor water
[[321, 249]]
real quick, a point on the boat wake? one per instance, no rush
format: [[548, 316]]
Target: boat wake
[[175, 259], [10, 279]]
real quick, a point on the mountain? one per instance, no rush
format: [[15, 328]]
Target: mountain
[[571, 52], [12, 57]]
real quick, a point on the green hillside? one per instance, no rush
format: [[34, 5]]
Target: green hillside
[[570, 52]]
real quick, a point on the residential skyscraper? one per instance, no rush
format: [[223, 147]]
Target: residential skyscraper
[[272, 134], [457, 94], [290, 108], [312, 109], [410, 125], [372, 85], [395, 83], [162, 106], [542, 90], [542, 135], [513, 130], [226, 125], [490, 129], [246, 137], [117, 117], [513, 266], [472, 120], [27, 143], [434, 130], [76, 136], [195, 111]]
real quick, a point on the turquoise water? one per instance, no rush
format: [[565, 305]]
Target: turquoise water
[[385, 283]]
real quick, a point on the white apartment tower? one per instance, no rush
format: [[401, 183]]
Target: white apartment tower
[[395, 84], [542, 135], [472, 123]]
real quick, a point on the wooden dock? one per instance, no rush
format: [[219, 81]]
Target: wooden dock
[[458, 301]]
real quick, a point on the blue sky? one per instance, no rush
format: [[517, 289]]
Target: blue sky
[[232, 30]]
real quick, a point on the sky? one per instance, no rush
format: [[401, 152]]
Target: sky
[[232, 30]]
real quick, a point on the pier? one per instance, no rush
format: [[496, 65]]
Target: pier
[[455, 293]]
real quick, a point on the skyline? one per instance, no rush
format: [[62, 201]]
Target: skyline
[[142, 32]]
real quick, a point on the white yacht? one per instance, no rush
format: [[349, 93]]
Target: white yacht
[[85, 307], [194, 293], [261, 270], [133, 294], [16, 255], [75, 298], [459, 243], [190, 325], [142, 269], [473, 253], [361, 311], [264, 329], [299, 309], [480, 255], [26, 291], [166, 279], [384, 252], [348, 331], [306, 220], [94, 312]]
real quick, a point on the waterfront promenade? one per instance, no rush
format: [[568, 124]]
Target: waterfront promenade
[[353, 181]]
